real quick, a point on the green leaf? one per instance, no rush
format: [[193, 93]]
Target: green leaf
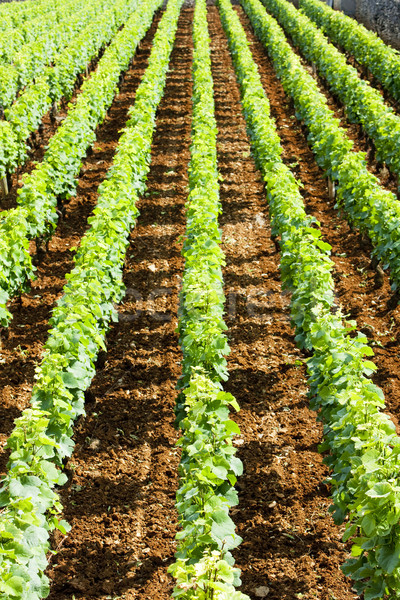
[[13, 587], [380, 490], [388, 557]]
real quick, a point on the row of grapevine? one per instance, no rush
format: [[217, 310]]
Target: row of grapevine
[[372, 209], [209, 468], [29, 61], [362, 440], [25, 115], [41, 438], [21, 15], [366, 46], [54, 179], [363, 103], [14, 38]]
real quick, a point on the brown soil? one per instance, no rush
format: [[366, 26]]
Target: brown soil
[[22, 343], [122, 482]]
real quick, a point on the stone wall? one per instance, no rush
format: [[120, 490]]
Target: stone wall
[[382, 16], [347, 6]]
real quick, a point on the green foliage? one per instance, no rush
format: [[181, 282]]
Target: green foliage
[[100, 23], [211, 578], [55, 177], [208, 471], [85, 46], [209, 468], [369, 207], [9, 149], [201, 324], [23, 117], [25, 53], [25, 16], [364, 448], [365, 45], [363, 103], [42, 437], [16, 268], [26, 494]]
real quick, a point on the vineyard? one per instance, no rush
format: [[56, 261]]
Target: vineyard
[[199, 302]]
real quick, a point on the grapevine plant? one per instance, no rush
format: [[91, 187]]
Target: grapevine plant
[[363, 103], [204, 567], [24, 16], [58, 28], [42, 436], [25, 114], [23, 23], [364, 448], [365, 45], [54, 179], [367, 206]]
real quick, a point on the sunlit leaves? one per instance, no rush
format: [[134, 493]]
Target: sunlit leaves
[[208, 469], [55, 178], [365, 45], [371, 208], [363, 103]]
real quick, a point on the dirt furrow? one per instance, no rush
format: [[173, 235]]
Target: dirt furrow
[[22, 343], [291, 547], [363, 293], [123, 474]]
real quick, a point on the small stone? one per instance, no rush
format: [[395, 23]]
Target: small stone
[[262, 591], [238, 442], [94, 444], [259, 219]]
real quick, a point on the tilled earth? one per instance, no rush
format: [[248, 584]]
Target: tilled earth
[[120, 494]]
